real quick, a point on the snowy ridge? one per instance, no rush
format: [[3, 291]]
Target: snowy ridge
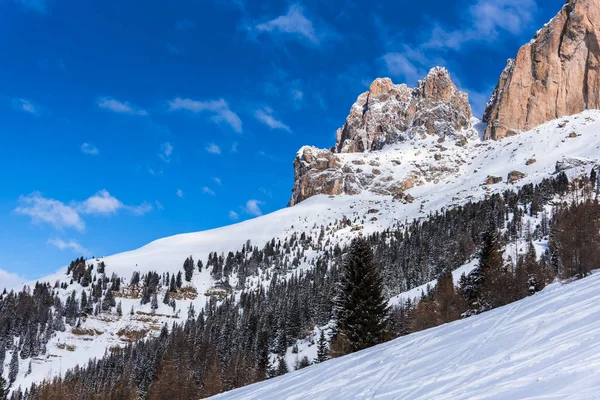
[[573, 141], [544, 346]]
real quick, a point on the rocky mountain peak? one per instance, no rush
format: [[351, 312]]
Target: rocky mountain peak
[[390, 113], [555, 75]]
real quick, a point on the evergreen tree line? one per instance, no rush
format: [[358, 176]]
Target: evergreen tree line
[[231, 343]]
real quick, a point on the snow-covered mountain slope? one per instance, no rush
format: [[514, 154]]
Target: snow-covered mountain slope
[[544, 346], [456, 178]]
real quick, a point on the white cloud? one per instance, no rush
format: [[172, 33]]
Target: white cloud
[[140, 210], [213, 149], [25, 105], [179, 193], [219, 109], [72, 245], [39, 6], [159, 205], [485, 20], [399, 64], [101, 203], [120, 107], [10, 280], [89, 148], [253, 207], [266, 117], [233, 215], [293, 23], [234, 147], [297, 95], [60, 215], [166, 150], [208, 191], [50, 211], [217, 181]]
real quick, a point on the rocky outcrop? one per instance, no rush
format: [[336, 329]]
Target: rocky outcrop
[[389, 113], [316, 171], [556, 74], [319, 171]]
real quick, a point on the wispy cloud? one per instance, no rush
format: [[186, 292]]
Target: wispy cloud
[[179, 193], [174, 49], [294, 23], [213, 149], [25, 105], [485, 20], [72, 245], [233, 215], [120, 107], [50, 211], [166, 151], [40, 6], [208, 191], [234, 147], [253, 207], [10, 280], [90, 149], [141, 209], [219, 109], [217, 181], [406, 66], [266, 116], [62, 216]]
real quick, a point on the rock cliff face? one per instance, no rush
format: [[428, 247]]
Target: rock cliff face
[[386, 114], [389, 113], [555, 75]]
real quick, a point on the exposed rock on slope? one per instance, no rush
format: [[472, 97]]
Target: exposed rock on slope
[[384, 115], [555, 75], [389, 113]]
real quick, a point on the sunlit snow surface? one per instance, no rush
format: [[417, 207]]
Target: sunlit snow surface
[[546, 144], [545, 346]]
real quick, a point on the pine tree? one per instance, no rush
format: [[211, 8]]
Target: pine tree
[[494, 283], [322, 350], [282, 367], [119, 309], [362, 309], [154, 303], [178, 282], [188, 267], [3, 389], [13, 369]]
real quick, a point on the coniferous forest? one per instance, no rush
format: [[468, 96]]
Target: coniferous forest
[[236, 342]]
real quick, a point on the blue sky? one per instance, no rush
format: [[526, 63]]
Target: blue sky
[[125, 121]]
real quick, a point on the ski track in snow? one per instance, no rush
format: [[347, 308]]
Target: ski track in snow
[[544, 346], [548, 144]]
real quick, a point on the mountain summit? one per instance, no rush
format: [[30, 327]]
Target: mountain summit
[[555, 75], [389, 113], [386, 114]]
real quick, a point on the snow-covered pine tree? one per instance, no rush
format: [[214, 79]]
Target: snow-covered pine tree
[[322, 349], [363, 310], [13, 368]]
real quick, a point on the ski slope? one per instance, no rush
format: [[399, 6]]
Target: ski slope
[[545, 346]]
